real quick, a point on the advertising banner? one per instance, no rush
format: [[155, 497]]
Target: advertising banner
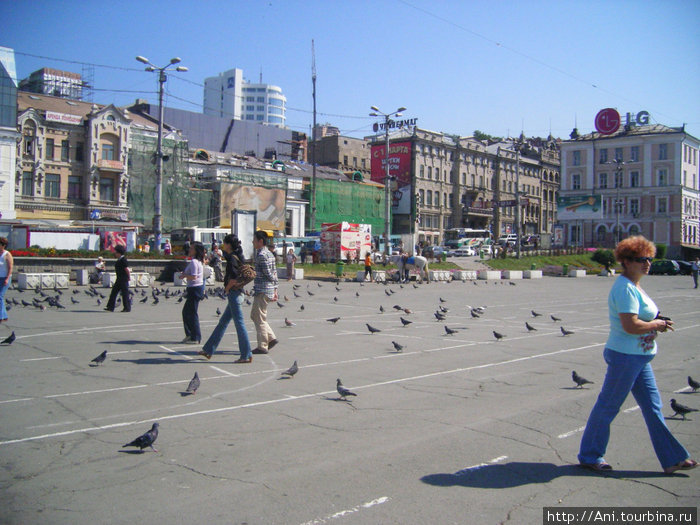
[[400, 168], [342, 239], [579, 207], [269, 203]]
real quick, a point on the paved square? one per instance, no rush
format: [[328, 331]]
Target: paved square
[[456, 428]]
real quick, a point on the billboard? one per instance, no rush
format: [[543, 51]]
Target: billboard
[[577, 207], [339, 239], [400, 168], [269, 203]]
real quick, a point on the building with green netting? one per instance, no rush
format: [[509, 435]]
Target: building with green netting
[[351, 201]]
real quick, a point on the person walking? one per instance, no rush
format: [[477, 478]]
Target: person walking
[[264, 291], [291, 259], [6, 264], [368, 266], [695, 269], [232, 249], [631, 345], [121, 284], [194, 273]]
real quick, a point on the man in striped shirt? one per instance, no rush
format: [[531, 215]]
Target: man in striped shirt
[[264, 291]]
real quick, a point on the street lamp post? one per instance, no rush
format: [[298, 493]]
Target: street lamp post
[[157, 209], [387, 180], [618, 202], [517, 145]]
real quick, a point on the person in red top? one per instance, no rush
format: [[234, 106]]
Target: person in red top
[[368, 266]]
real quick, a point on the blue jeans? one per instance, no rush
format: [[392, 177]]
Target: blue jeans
[[3, 289], [235, 312], [190, 317], [629, 373]]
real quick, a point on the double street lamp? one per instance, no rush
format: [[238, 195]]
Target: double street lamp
[[618, 202], [162, 78], [387, 182]]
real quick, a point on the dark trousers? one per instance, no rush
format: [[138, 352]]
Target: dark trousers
[[117, 287], [190, 316], [695, 278]]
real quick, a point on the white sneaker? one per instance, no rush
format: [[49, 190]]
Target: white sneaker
[[185, 341]]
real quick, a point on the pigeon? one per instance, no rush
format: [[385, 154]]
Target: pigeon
[[681, 409], [693, 384], [287, 322], [100, 358], [565, 332], [296, 286], [580, 381], [26, 303], [145, 299], [218, 311], [335, 299], [511, 283], [397, 307], [381, 309], [9, 339], [344, 392], [319, 285], [555, 319], [301, 308], [281, 304], [439, 316], [443, 309], [145, 440], [286, 298], [407, 311], [292, 370], [310, 293], [535, 314], [194, 385], [442, 300], [333, 320], [296, 295], [74, 300], [405, 322], [387, 292], [498, 336], [357, 294], [397, 346], [372, 329], [529, 327], [475, 315], [450, 331]]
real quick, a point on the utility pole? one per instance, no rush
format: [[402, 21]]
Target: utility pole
[[313, 141]]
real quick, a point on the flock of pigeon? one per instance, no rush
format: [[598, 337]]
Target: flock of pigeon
[[42, 300]]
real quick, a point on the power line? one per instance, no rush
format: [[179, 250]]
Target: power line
[[76, 62]]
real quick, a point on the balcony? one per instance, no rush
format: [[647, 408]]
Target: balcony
[[110, 165]]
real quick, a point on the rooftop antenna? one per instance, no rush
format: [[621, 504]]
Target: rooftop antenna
[[260, 75]]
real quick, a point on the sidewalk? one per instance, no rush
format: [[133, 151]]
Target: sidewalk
[[469, 263]]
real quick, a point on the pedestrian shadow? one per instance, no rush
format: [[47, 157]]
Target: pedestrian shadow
[[519, 473], [139, 342]]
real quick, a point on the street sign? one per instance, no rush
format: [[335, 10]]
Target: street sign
[[510, 203], [95, 215], [607, 121]]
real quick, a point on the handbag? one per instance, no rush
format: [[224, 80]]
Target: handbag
[[246, 273]]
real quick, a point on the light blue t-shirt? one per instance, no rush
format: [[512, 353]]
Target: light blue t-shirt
[[626, 298]]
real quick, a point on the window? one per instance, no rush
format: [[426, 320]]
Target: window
[[437, 173], [52, 185], [481, 181], [363, 163], [600, 234], [603, 156], [276, 102], [28, 145], [250, 99], [421, 197], [354, 162], [430, 172], [634, 179], [662, 177], [74, 187], [444, 200], [107, 151], [80, 152], [464, 179], [110, 118], [260, 99], [634, 207], [634, 230], [49, 149], [250, 108], [618, 154], [345, 160], [259, 117], [575, 234], [602, 180], [663, 151], [260, 108], [27, 183], [422, 172], [634, 154], [275, 111], [107, 190], [473, 180], [576, 182], [577, 158], [65, 150], [250, 117], [661, 204], [429, 199]]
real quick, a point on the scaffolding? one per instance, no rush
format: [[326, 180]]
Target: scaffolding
[[182, 204], [350, 202]]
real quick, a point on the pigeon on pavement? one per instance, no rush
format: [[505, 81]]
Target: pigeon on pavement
[[681, 409], [372, 329], [145, 440], [9, 339], [100, 358], [194, 385], [475, 315], [292, 370], [439, 316], [693, 384], [498, 336], [333, 320], [555, 319], [397, 346], [580, 381], [535, 314], [450, 331], [287, 322], [565, 332], [381, 309], [344, 392], [405, 322], [529, 327]]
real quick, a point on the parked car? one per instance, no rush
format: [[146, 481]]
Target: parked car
[[465, 251], [686, 268], [438, 251], [664, 267], [508, 240]]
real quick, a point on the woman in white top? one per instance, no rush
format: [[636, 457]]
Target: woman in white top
[[6, 263], [194, 273], [291, 259]]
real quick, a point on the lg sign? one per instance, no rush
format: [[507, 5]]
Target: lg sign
[[608, 120]]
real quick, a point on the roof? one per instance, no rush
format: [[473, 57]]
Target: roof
[[652, 129]]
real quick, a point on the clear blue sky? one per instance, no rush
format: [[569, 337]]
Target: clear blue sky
[[457, 66]]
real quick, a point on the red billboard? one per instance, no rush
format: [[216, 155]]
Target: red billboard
[[399, 167]]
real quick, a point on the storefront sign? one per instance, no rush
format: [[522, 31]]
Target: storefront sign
[[63, 118]]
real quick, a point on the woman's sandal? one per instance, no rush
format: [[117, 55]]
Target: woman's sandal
[[599, 467], [687, 464]]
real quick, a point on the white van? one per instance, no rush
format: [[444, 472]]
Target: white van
[[509, 239]]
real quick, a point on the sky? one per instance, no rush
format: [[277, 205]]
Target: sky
[[500, 67]]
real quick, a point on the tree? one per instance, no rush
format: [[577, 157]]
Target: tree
[[480, 135], [604, 257]]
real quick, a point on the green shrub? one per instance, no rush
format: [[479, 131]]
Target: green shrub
[[604, 257], [661, 251]]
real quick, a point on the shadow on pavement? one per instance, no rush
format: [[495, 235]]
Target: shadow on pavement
[[518, 473]]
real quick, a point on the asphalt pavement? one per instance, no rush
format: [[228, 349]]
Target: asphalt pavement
[[457, 428]]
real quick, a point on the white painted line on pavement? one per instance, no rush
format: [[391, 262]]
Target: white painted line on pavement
[[221, 370], [96, 391], [16, 400], [571, 432], [188, 357], [466, 470], [304, 396], [42, 358], [346, 512], [631, 409], [302, 337]]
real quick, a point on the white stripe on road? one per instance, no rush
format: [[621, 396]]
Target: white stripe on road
[[466, 470], [303, 396], [581, 429], [231, 374], [43, 358], [346, 512]]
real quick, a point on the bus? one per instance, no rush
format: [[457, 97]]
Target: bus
[[179, 236], [456, 238]]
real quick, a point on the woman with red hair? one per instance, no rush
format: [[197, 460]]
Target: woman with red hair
[[631, 345]]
